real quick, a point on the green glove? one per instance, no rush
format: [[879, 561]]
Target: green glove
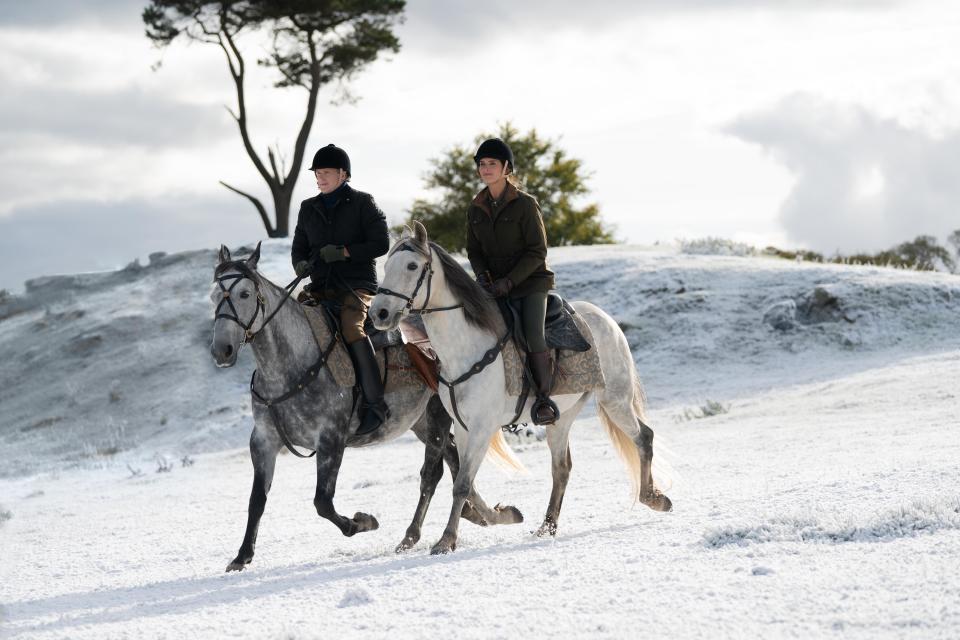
[[303, 268], [332, 253]]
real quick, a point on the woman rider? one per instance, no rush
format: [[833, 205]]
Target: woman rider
[[340, 234], [507, 248]]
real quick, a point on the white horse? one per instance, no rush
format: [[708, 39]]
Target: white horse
[[465, 325]]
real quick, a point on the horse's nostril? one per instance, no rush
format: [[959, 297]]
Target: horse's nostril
[[382, 314], [229, 351]]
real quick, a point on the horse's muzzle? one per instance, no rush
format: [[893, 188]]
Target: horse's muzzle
[[223, 354], [383, 319]]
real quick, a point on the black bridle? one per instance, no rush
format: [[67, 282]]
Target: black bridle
[[248, 334], [426, 273]]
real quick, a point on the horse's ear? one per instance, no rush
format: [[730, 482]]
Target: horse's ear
[[254, 257], [420, 233], [224, 254]]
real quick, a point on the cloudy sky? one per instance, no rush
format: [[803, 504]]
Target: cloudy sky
[[831, 125]]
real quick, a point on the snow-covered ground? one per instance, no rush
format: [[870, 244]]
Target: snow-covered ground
[[821, 499]]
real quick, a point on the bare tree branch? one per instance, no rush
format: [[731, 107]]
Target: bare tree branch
[[256, 203], [273, 163]]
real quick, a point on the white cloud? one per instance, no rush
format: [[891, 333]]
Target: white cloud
[[863, 182]]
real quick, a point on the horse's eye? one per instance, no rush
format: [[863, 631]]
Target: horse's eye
[[245, 295], [412, 266]]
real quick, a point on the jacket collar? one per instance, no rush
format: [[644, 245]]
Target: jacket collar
[[482, 199], [346, 193]]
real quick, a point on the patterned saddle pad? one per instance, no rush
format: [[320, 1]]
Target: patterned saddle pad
[[576, 371], [394, 362]]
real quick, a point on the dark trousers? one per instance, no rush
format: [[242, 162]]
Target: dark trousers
[[533, 312]]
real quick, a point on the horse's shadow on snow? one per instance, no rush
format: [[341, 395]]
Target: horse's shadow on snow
[[185, 595]]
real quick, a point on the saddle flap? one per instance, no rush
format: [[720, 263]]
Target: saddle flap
[[555, 306], [560, 330], [379, 339]]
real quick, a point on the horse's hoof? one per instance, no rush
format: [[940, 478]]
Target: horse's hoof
[[405, 545], [442, 548], [470, 514], [508, 514], [657, 501], [365, 522], [546, 529], [237, 565]]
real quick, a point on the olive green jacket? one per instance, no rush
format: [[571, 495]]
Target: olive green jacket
[[509, 241]]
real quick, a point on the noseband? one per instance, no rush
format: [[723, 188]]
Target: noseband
[[426, 273]]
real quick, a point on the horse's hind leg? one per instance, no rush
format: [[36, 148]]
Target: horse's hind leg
[[431, 432], [624, 420], [330, 446], [558, 438], [263, 454], [650, 495]]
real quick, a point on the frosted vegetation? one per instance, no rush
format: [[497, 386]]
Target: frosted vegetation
[[921, 254]]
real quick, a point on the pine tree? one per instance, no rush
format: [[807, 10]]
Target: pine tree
[[545, 171]]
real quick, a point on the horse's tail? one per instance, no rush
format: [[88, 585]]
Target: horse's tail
[[501, 453], [623, 443]]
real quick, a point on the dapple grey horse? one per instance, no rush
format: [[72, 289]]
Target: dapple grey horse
[[319, 416], [465, 327]]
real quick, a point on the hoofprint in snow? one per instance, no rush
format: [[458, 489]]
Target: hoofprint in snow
[[824, 502]]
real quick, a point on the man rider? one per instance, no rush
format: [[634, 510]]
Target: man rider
[[339, 235]]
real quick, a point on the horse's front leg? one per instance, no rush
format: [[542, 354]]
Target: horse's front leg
[[263, 454], [558, 438], [475, 509], [330, 446], [473, 448]]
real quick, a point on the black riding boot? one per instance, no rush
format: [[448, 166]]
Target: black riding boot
[[373, 410], [544, 410]]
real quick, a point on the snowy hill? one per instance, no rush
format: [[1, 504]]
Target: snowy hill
[[97, 366], [816, 497]]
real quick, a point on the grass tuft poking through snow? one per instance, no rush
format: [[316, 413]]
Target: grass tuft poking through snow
[[716, 247], [904, 521], [708, 409], [355, 598]]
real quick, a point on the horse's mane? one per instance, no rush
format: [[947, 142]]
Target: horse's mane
[[478, 307]]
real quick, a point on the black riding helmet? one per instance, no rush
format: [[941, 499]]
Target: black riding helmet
[[494, 148], [331, 157]]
